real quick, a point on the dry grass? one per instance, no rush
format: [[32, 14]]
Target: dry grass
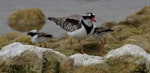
[[92, 69], [13, 37], [140, 41]]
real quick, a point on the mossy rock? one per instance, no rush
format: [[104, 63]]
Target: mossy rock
[[27, 19], [27, 62], [127, 64], [67, 66], [52, 62]]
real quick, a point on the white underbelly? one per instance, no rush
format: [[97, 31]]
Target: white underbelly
[[35, 39], [78, 34]]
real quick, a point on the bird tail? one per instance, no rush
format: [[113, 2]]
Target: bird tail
[[49, 35], [53, 19]]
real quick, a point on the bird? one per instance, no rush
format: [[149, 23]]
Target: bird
[[39, 37], [100, 33], [77, 26]]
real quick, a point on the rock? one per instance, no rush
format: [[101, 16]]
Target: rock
[[128, 59], [51, 62], [29, 61], [133, 51], [128, 49], [85, 60], [15, 49], [141, 41], [27, 19], [19, 58]]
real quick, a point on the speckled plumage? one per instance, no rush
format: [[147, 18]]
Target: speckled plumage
[[77, 26], [101, 32], [70, 23]]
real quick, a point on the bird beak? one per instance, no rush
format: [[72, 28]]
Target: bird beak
[[93, 19]]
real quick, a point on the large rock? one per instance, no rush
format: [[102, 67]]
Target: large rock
[[19, 58], [28, 61], [27, 19], [85, 60], [129, 49], [126, 59]]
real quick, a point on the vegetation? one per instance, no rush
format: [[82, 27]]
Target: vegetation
[[133, 30]]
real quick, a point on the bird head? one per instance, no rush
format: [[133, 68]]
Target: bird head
[[89, 16], [32, 33]]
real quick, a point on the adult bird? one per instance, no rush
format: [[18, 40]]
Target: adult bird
[[77, 26]]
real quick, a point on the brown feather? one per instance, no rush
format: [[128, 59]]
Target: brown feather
[[102, 29], [70, 23], [44, 35]]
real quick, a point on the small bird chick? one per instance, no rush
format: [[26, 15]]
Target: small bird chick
[[39, 37], [100, 33]]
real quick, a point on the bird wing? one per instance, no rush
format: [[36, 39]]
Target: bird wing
[[70, 23], [75, 17], [44, 35], [101, 32], [102, 29]]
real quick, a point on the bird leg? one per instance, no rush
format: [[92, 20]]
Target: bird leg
[[81, 47], [44, 45], [102, 44], [70, 41]]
